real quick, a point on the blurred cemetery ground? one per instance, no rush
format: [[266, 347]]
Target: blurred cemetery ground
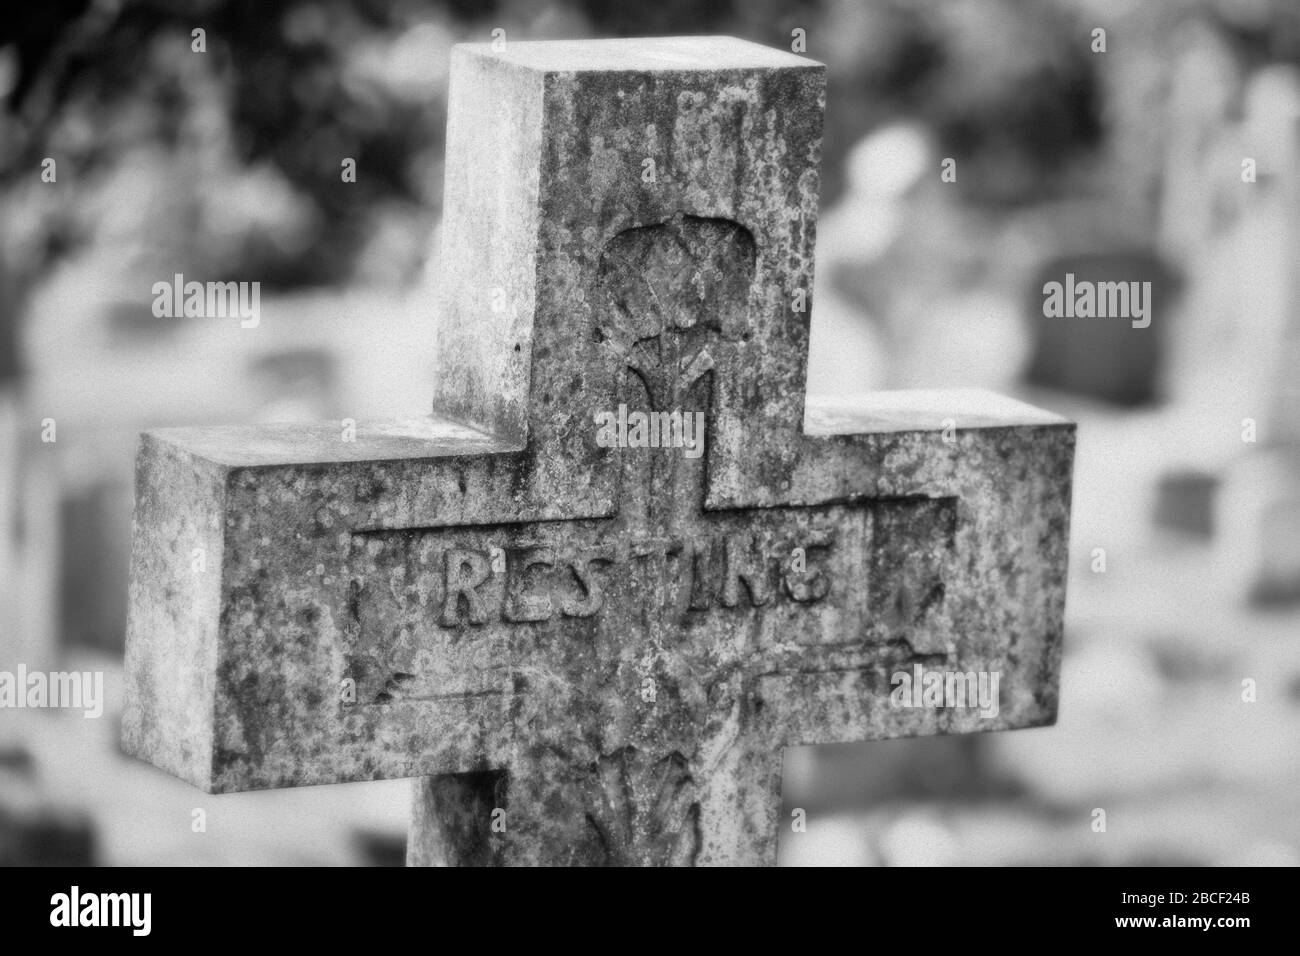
[[1125, 164]]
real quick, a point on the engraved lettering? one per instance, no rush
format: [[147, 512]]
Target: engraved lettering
[[702, 589], [582, 567], [520, 605], [810, 585], [466, 571], [738, 565]]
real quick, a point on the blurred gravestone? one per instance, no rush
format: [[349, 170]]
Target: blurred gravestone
[[10, 470], [1258, 506], [10, 484], [595, 654], [93, 567], [1185, 501], [1229, 236], [1104, 358], [33, 832]]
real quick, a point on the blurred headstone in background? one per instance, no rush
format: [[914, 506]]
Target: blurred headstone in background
[[10, 504], [1199, 198], [838, 786], [1254, 374], [33, 634], [379, 847], [1222, 215], [1185, 501], [33, 831], [1258, 524], [96, 548], [11, 424], [1192, 168], [1106, 358]]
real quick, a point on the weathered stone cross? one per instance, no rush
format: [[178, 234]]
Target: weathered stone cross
[[595, 654]]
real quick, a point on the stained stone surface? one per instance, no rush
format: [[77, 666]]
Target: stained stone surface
[[595, 654]]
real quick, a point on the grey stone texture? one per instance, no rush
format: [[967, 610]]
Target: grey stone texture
[[590, 654]]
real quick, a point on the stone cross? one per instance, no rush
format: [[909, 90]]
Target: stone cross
[[594, 654]]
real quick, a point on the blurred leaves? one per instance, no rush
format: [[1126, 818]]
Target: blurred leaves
[[258, 124]]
